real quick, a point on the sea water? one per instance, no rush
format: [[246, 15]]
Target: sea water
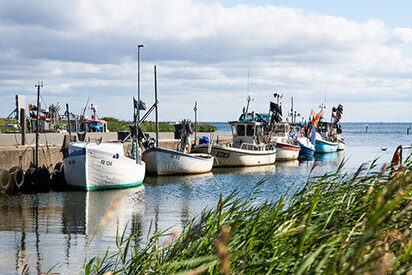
[[60, 230]]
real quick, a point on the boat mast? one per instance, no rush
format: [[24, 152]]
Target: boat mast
[[68, 119], [248, 96], [38, 86], [195, 109], [323, 105], [157, 113], [137, 122]]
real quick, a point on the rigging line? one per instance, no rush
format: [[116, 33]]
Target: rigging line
[[45, 105], [247, 82]]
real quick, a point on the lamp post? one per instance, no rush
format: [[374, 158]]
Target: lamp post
[[137, 122], [38, 86]]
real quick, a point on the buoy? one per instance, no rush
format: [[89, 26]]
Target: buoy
[[58, 181], [4, 180]]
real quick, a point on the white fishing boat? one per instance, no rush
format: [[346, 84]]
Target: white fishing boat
[[162, 161], [341, 140], [94, 166], [249, 146], [285, 138], [341, 143]]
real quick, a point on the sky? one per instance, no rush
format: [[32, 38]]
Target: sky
[[215, 52]]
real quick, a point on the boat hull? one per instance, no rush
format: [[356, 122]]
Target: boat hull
[[323, 146], [231, 157], [306, 147], [161, 161], [285, 151], [95, 169], [341, 145]]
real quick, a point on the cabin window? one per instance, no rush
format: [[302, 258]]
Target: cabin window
[[249, 130], [279, 130], [234, 132], [240, 129]]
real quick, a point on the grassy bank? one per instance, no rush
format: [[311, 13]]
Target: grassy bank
[[4, 129], [116, 125], [339, 223]]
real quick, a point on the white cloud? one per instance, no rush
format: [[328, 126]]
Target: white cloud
[[203, 51]]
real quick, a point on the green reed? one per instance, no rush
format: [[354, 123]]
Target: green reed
[[339, 223]]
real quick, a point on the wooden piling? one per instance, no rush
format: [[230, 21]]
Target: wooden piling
[[23, 125]]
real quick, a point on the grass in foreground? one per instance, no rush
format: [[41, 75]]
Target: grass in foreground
[[344, 224]]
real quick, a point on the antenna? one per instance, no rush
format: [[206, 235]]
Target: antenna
[[248, 99], [322, 106], [247, 89]]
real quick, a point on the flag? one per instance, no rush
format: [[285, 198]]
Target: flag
[[139, 105], [333, 115], [316, 119], [272, 106], [312, 113], [322, 113]]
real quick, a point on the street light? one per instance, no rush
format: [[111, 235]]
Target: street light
[[137, 122]]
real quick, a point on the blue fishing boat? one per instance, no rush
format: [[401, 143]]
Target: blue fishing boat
[[324, 146], [307, 146], [326, 138]]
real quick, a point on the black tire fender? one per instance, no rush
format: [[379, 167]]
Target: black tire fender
[[18, 176], [4, 179]]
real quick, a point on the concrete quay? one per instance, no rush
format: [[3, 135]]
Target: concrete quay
[[12, 153]]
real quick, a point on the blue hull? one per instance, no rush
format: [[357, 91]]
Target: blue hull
[[322, 146], [306, 151]]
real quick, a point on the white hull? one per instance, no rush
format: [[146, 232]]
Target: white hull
[[168, 162], [341, 144], [104, 166], [229, 156], [285, 151]]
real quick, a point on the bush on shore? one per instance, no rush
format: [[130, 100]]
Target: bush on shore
[[116, 125], [338, 224]]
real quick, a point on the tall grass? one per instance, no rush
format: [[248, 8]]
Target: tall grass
[[339, 223]]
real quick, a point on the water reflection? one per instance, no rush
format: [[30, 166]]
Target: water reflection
[[290, 163], [327, 157], [264, 169], [101, 212], [30, 225], [173, 199]]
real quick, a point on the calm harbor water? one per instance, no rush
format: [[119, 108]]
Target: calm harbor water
[[55, 230]]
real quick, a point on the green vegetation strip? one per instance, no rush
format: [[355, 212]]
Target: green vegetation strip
[[116, 125], [338, 224]]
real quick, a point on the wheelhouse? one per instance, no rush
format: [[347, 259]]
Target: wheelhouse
[[247, 132]]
